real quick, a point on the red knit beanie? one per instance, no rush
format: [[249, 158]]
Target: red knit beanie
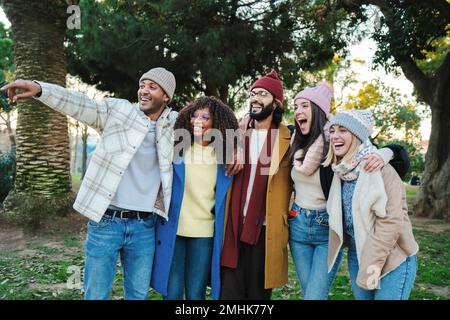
[[271, 83]]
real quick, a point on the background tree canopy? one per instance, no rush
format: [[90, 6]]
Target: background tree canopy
[[211, 46]]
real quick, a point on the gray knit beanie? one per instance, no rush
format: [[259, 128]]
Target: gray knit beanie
[[164, 78], [358, 122]]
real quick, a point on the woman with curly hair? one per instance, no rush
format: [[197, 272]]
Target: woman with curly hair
[[188, 245]]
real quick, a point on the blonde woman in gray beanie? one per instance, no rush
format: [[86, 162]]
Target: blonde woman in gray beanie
[[368, 213], [129, 178], [308, 218]]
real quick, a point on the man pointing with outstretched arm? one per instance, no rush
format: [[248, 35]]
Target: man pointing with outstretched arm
[[129, 178]]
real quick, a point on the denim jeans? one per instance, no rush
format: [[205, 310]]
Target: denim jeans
[[191, 268], [134, 240], [396, 285], [308, 241]]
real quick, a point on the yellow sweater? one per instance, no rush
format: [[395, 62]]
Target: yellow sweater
[[196, 219]]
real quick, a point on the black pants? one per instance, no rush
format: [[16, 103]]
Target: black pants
[[246, 281]]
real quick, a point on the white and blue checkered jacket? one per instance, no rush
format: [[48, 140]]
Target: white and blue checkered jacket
[[123, 127]]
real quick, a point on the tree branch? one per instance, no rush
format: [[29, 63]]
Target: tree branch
[[410, 69], [412, 72]]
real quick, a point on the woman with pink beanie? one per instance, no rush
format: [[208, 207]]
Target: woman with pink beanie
[[308, 218]]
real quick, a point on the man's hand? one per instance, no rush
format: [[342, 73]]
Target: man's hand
[[237, 165], [28, 89], [373, 162]]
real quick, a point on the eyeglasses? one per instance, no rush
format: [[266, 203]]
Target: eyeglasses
[[204, 117], [261, 94]]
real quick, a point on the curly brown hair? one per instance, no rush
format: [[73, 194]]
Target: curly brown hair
[[223, 119]]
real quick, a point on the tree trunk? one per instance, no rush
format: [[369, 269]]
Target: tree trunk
[[433, 199], [43, 162]]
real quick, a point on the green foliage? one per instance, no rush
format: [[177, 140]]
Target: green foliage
[[7, 172], [6, 64], [4, 104], [407, 29], [211, 46], [394, 113], [6, 52], [324, 30], [415, 154], [434, 57]]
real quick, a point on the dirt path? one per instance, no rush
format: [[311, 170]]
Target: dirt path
[[14, 238], [432, 225]]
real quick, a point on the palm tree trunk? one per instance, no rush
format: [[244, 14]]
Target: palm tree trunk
[[38, 30]]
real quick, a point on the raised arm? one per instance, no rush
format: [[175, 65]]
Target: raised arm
[[72, 103]]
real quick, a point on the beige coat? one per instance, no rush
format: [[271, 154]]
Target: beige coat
[[383, 231], [278, 195]]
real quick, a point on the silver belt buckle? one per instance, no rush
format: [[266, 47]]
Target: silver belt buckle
[[121, 214]]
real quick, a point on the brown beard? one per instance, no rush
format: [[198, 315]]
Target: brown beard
[[265, 112]]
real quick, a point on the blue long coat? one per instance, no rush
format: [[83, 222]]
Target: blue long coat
[[166, 231]]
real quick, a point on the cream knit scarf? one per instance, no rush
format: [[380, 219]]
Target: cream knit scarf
[[350, 171]]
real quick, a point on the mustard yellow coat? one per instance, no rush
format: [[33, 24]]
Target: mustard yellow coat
[[279, 190]]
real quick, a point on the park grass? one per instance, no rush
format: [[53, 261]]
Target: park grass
[[41, 272], [40, 269], [411, 192]]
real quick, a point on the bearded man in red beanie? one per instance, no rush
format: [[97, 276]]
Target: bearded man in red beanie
[[254, 256]]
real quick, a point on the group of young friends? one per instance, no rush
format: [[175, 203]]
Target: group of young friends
[[182, 221]]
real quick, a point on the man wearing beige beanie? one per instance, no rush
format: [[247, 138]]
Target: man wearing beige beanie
[[129, 178]]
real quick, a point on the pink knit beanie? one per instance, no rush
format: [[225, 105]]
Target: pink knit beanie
[[320, 94]]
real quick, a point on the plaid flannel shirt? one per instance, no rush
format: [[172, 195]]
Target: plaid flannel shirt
[[123, 127]]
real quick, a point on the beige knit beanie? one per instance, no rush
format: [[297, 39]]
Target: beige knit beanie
[[164, 78]]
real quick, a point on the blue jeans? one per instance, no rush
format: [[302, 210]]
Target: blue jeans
[[396, 285], [191, 268], [308, 240], [134, 240]]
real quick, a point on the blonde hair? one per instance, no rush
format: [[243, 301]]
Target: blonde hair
[[352, 150]]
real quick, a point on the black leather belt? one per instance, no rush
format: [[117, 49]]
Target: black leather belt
[[128, 214]]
